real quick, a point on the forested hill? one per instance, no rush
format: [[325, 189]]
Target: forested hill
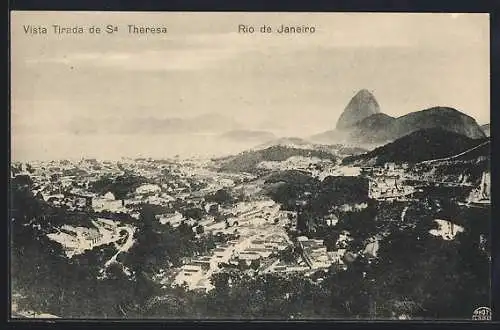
[[247, 161]]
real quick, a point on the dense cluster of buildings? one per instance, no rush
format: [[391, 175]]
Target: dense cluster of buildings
[[260, 238], [314, 165], [388, 182], [389, 188], [77, 240], [314, 253], [258, 221]]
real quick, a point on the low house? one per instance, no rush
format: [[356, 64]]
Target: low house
[[366, 170], [104, 204], [390, 166], [248, 255], [205, 265], [371, 249], [148, 189], [263, 252], [109, 196], [331, 220], [222, 255], [337, 256], [174, 219], [216, 227], [302, 238], [155, 200], [93, 236], [190, 275], [286, 268], [447, 230], [204, 285], [207, 221]]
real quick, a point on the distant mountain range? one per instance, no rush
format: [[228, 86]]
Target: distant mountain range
[[248, 136], [422, 145], [205, 123], [363, 124], [286, 141]]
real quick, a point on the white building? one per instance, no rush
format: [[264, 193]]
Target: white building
[[147, 189], [109, 196], [341, 171], [388, 187], [190, 275], [371, 249], [337, 256], [331, 220], [173, 219], [106, 204], [447, 230], [222, 255], [482, 193]]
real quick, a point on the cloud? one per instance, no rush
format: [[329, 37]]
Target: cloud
[[142, 60], [201, 51], [195, 52]]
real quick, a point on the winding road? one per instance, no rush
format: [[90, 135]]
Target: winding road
[[125, 246], [403, 214]]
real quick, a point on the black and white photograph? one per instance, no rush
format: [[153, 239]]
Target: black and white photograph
[[250, 166]]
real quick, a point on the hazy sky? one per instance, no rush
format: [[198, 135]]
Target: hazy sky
[[119, 94]]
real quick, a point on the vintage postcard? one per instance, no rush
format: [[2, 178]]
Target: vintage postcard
[[250, 166]]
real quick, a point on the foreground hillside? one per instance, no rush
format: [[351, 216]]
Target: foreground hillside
[[367, 246]]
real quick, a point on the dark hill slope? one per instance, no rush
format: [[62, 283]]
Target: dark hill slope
[[418, 146]]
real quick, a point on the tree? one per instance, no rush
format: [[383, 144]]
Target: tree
[[30, 168], [221, 196], [255, 264], [200, 230], [194, 213], [22, 180], [185, 230], [288, 255]]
